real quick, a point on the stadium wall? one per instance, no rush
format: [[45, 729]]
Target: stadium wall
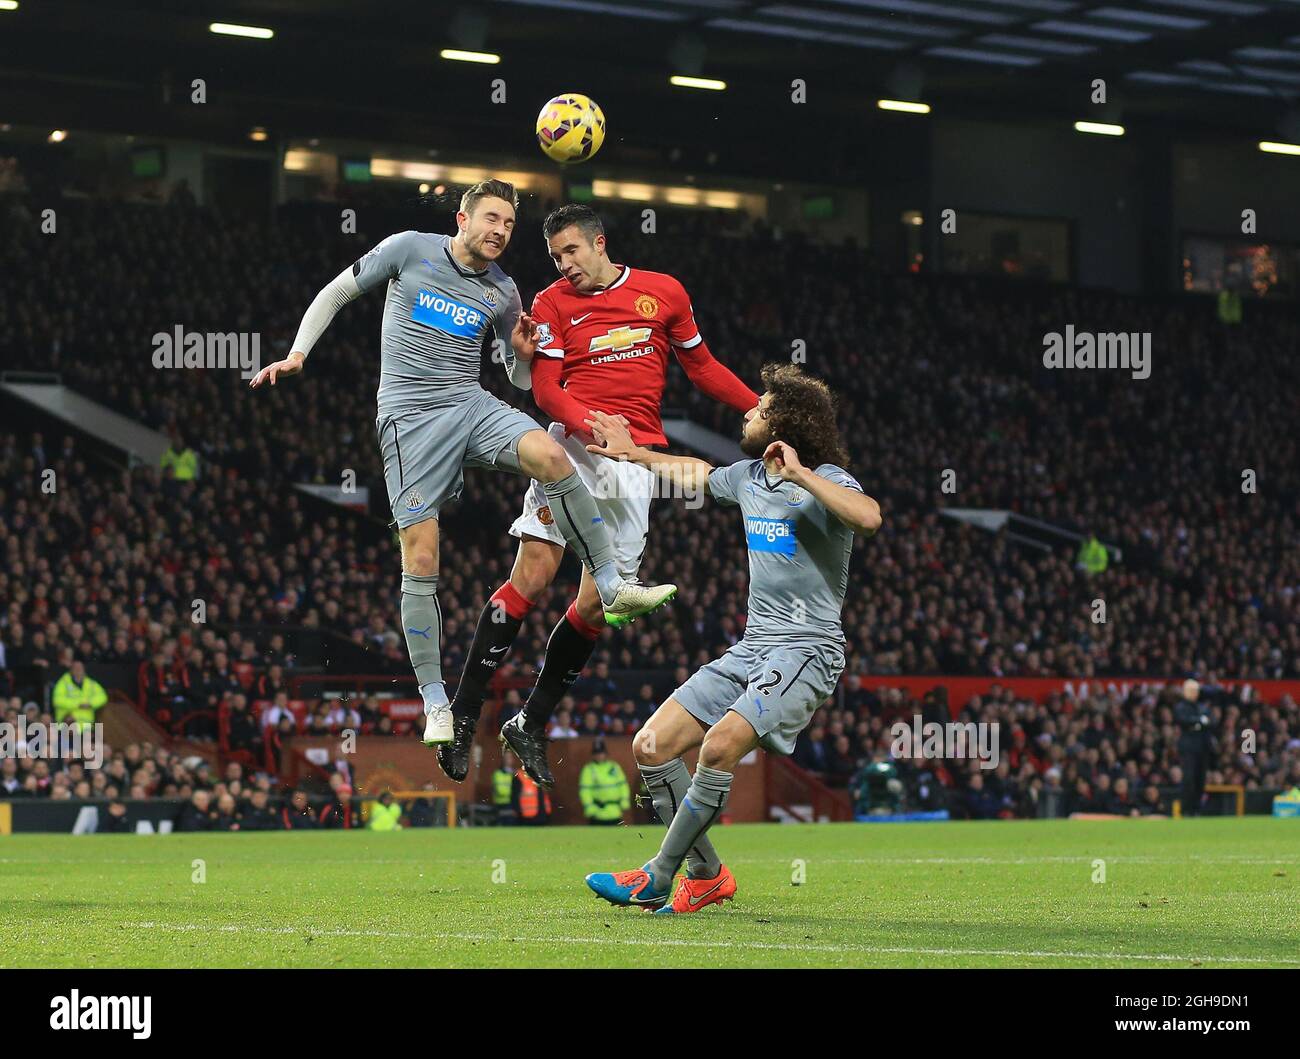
[[1269, 184], [1046, 171], [961, 689]]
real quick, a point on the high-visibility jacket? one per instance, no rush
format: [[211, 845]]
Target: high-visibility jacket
[[533, 801], [77, 703], [1229, 307], [184, 464], [603, 788], [1093, 556], [502, 782], [385, 817]]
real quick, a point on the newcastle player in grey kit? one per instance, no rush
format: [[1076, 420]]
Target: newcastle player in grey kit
[[443, 296], [801, 511]]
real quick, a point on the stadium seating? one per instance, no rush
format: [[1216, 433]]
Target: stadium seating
[[934, 374]]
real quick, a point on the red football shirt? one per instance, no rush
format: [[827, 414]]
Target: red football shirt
[[614, 344]]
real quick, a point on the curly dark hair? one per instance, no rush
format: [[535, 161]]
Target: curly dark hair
[[801, 413]]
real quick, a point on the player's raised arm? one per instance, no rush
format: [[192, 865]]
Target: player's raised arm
[[331, 298], [616, 442], [854, 508], [380, 264]]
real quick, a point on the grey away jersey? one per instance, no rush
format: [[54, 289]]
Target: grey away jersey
[[436, 316], [798, 553]]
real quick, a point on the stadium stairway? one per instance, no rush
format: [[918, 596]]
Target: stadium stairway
[[124, 723], [796, 795], [46, 393]]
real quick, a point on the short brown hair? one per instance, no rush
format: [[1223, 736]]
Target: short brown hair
[[801, 412], [583, 217], [488, 189]]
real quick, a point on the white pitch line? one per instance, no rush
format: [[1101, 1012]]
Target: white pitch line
[[683, 943], [1075, 859], [1072, 859]]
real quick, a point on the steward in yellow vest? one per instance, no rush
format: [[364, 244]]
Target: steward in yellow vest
[[1093, 556], [385, 814], [603, 788], [503, 789], [77, 697], [181, 460]]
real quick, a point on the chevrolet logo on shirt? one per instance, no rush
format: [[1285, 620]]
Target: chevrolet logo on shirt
[[619, 338]]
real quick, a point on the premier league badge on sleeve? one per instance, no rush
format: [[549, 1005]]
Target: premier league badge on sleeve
[[543, 334]]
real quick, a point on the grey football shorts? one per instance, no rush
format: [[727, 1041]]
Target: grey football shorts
[[426, 451], [776, 689]]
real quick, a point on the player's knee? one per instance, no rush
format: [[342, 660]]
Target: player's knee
[[646, 750], [420, 555], [554, 465], [720, 750], [421, 561]]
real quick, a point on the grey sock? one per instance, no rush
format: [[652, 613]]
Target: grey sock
[[422, 622], [668, 785], [576, 517], [704, 801]]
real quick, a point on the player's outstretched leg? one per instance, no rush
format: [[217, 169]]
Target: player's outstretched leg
[[658, 748], [422, 622], [725, 744], [567, 652], [577, 518], [498, 626]]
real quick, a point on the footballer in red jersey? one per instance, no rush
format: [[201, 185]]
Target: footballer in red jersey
[[600, 338]]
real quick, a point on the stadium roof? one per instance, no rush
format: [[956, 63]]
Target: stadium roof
[[342, 67]]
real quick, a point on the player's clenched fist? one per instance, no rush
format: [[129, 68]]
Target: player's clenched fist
[[783, 461], [612, 430], [291, 365]]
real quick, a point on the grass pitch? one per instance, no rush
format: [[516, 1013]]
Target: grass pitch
[[1209, 892]]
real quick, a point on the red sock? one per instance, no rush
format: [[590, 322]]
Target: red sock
[[514, 602], [575, 619]]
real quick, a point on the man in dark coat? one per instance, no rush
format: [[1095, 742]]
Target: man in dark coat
[[1195, 745]]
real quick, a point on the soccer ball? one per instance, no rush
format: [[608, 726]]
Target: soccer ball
[[570, 128]]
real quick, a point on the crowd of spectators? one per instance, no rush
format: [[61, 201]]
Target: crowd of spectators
[[1108, 752], [234, 797], [935, 375]]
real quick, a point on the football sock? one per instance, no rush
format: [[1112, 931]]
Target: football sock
[[702, 804], [498, 626], [576, 517], [422, 620], [567, 652], [434, 694], [668, 785]]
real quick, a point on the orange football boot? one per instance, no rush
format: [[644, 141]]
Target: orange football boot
[[694, 894]]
